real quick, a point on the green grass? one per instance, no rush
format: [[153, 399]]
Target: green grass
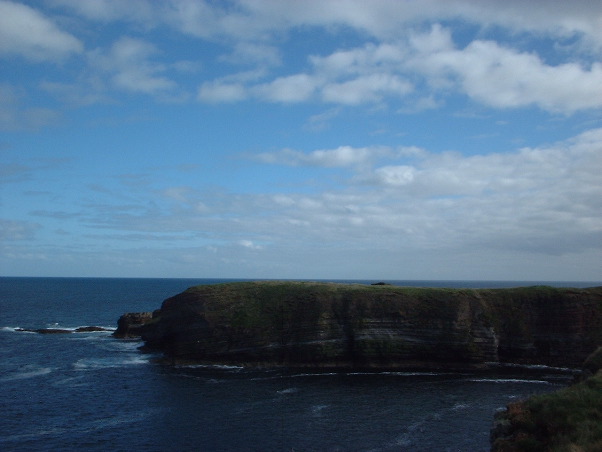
[[572, 416], [567, 420]]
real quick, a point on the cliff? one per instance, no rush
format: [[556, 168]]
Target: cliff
[[377, 326]]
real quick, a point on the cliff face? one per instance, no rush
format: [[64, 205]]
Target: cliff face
[[340, 325]]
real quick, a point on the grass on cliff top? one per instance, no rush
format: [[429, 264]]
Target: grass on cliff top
[[270, 291], [319, 287]]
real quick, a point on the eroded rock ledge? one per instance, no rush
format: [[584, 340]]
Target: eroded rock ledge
[[374, 326]]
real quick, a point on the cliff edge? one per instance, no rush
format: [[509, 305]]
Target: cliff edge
[[373, 326]]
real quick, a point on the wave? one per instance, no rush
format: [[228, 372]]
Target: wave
[[317, 409], [460, 406], [536, 367], [508, 380], [27, 371], [288, 391], [87, 427], [14, 329], [313, 374], [414, 433], [404, 373], [104, 363], [117, 345], [210, 367]]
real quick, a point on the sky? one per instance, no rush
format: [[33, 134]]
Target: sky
[[341, 139]]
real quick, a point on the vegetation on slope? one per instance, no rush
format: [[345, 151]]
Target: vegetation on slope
[[568, 420]]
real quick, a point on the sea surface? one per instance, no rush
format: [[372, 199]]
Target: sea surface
[[89, 391]]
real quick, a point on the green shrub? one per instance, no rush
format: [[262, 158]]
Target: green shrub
[[569, 417]]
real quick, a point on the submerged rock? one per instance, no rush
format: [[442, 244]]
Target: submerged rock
[[372, 326]]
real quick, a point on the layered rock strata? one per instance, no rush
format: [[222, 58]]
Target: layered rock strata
[[372, 326]]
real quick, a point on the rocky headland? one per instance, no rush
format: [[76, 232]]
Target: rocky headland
[[301, 324]]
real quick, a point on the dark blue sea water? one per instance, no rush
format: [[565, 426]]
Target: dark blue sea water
[[93, 392]]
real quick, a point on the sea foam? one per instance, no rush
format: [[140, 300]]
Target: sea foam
[[27, 371]]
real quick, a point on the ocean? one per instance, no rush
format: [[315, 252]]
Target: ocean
[[89, 391]]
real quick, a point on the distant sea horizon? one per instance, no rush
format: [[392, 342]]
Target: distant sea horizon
[[435, 283]]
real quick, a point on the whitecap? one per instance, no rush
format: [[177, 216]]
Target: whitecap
[[214, 381], [88, 337], [27, 371], [317, 409], [118, 345], [321, 374], [507, 380], [288, 391], [210, 366], [16, 329], [103, 363], [411, 374], [460, 406], [537, 367]]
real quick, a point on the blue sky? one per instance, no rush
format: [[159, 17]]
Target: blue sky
[[440, 139]]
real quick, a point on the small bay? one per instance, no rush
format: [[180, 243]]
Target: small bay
[[90, 391]]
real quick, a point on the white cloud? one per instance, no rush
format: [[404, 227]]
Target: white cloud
[[485, 71], [219, 91], [503, 77], [545, 200], [130, 64], [343, 156], [366, 89], [388, 19], [250, 19], [397, 62], [137, 11], [395, 175], [292, 88], [321, 121], [347, 78], [26, 32], [16, 115], [11, 230], [246, 52], [461, 215], [249, 244]]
